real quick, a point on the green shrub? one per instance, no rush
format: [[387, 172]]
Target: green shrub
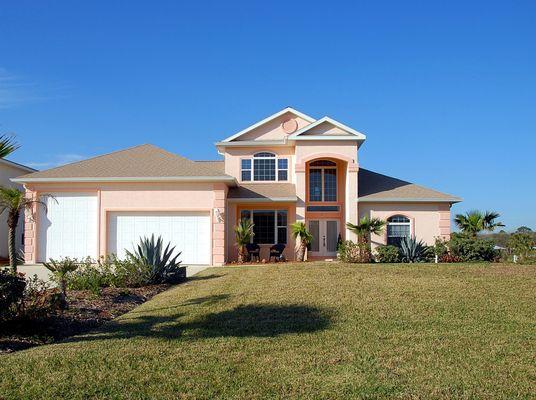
[[469, 248], [162, 266], [11, 293], [522, 245], [109, 271], [387, 254], [351, 252]]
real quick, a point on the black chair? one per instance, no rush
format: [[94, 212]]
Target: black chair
[[276, 251], [254, 251]]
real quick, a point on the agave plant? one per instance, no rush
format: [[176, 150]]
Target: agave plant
[[163, 268], [412, 250], [243, 233]]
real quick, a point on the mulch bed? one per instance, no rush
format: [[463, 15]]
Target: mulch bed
[[86, 312]]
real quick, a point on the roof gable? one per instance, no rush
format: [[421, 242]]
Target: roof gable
[[144, 162], [271, 123], [327, 129]]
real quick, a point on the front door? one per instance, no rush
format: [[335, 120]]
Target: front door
[[325, 236]]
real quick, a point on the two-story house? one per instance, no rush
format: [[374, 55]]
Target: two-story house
[[288, 167]]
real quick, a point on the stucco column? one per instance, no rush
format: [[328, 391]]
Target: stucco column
[[300, 191], [351, 206], [444, 221], [30, 227], [218, 225]]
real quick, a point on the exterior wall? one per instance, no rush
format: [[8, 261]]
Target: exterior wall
[[428, 220], [138, 197], [234, 209], [233, 155], [273, 130], [6, 173]]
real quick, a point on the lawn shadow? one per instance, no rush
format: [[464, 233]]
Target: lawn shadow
[[198, 300], [265, 320], [204, 277]]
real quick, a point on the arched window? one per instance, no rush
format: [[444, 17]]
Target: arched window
[[322, 181], [323, 163], [264, 154], [264, 166], [398, 227]]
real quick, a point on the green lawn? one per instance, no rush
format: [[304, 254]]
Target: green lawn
[[316, 330]]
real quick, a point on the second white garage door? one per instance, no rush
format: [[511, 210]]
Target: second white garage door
[[189, 232]]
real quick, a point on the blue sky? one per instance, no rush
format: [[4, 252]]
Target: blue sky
[[444, 91]]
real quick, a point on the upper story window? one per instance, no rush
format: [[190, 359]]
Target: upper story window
[[398, 227], [322, 181], [264, 166]]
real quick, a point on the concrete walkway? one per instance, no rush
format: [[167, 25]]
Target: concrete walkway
[[44, 274]]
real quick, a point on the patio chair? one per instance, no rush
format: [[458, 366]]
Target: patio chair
[[254, 251], [276, 251]]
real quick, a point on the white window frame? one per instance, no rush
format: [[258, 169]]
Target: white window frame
[[276, 226], [277, 169], [322, 168], [398, 224]]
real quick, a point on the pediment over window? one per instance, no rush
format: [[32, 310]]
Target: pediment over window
[[275, 127], [327, 129]]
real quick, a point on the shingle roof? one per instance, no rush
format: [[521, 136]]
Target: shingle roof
[[144, 161], [264, 191], [373, 186], [218, 165]]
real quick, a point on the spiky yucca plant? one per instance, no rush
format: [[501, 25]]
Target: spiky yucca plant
[[163, 268], [303, 238], [243, 235], [413, 250]]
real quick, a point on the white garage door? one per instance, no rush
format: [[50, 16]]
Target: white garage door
[[189, 232], [69, 227]]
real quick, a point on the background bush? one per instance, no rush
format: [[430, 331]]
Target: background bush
[[11, 293], [470, 248], [387, 254], [351, 252]]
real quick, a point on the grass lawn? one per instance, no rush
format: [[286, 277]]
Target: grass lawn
[[316, 330]]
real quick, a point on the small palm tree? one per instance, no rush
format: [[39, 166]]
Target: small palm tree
[[365, 227], [7, 146], [303, 238], [476, 221], [60, 270], [14, 202], [244, 234]]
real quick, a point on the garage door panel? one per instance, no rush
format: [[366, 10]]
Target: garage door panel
[[188, 232], [69, 227]]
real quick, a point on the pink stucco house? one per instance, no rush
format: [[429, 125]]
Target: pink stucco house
[[285, 168]]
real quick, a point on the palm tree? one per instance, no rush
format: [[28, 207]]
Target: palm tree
[[244, 234], [303, 238], [14, 202], [473, 222], [365, 227], [7, 146]]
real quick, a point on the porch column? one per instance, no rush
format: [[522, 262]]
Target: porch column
[[30, 230], [300, 191], [218, 225], [351, 212]]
